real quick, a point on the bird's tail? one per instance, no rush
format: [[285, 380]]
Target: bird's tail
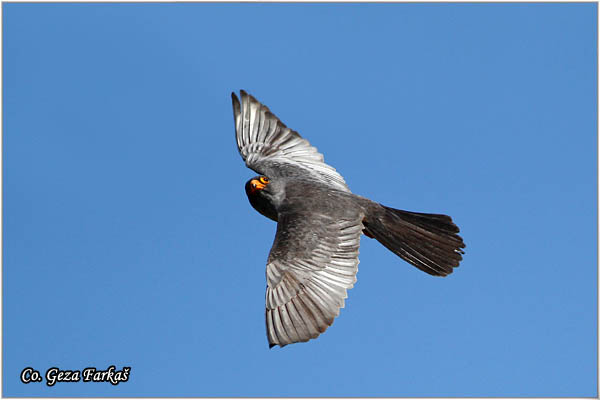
[[430, 242]]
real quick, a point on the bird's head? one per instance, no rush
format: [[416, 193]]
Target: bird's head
[[256, 185], [261, 194]]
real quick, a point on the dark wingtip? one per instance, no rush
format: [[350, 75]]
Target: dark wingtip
[[234, 100], [271, 345], [237, 110], [248, 97]]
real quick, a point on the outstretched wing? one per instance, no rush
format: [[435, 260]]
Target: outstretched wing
[[312, 263], [270, 148]]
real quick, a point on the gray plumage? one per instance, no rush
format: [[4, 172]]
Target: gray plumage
[[314, 258]]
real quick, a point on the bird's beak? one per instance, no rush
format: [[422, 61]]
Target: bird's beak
[[256, 185]]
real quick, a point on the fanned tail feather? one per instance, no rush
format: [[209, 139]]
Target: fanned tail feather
[[430, 242]]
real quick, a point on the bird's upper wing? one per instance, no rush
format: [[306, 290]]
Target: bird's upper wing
[[313, 261], [270, 148]]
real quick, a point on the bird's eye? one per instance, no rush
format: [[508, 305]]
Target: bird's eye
[[254, 186], [264, 180]]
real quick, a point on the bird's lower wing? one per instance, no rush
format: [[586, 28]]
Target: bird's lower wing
[[313, 262]]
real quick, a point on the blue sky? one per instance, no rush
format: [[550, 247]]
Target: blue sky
[[129, 241]]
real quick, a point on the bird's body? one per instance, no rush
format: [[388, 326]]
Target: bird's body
[[314, 257]]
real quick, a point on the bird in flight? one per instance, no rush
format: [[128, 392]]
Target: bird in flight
[[314, 257]]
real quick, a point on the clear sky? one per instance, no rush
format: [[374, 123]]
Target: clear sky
[[129, 240]]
